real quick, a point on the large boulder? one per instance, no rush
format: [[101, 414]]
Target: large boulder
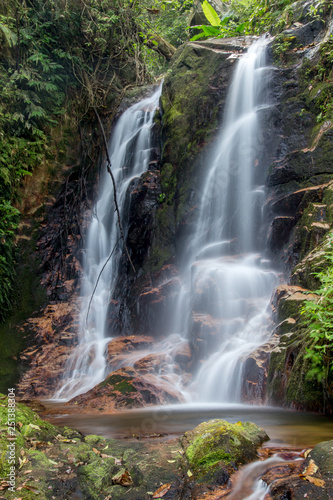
[[216, 448]]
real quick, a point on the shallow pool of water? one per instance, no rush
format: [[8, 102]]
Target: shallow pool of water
[[285, 428]]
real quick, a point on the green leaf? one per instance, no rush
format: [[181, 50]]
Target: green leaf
[[211, 14], [240, 28], [10, 37], [211, 31], [197, 37]]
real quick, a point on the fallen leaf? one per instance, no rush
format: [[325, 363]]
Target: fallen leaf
[[71, 458], [32, 488], [306, 453], [22, 462], [310, 469], [189, 473], [117, 461], [96, 451], [162, 490], [171, 461], [33, 426], [124, 479], [27, 471], [316, 481]]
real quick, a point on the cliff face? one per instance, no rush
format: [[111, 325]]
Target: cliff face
[[299, 205], [298, 138]]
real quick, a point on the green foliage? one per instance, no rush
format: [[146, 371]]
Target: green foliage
[[281, 45], [210, 14], [65, 56], [321, 76], [252, 17], [218, 28], [170, 21], [9, 217], [318, 318]]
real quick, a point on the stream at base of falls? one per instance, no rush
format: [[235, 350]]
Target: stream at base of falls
[[286, 428]]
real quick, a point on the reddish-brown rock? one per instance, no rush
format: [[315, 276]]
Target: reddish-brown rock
[[120, 349], [151, 363], [125, 388], [44, 360]]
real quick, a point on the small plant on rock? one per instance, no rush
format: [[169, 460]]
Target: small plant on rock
[[318, 316]]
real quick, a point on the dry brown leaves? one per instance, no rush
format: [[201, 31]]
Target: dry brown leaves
[[162, 490], [123, 479], [308, 473]]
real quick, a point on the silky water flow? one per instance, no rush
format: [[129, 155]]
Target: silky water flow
[[227, 281], [130, 153]]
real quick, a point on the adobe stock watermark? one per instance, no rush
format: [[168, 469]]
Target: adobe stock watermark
[[152, 423], [11, 437]]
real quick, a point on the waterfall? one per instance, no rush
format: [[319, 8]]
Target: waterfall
[[227, 280], [130, 152], [222, 307]]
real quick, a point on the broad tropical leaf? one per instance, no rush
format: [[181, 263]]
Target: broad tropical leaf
[[210, 14]]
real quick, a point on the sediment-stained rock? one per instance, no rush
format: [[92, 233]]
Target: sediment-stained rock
[[126, 388]]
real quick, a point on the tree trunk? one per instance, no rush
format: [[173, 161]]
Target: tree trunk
[[161, 46]]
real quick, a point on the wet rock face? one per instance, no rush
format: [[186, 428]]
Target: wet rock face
[[43, 361], [309, 479], [287, 383], [126, 388], [120, 349], [302, 168], [164, 201], [298, 207]]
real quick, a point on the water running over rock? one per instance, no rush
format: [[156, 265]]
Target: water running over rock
[[227, 282], [130, 152], [222, 307]]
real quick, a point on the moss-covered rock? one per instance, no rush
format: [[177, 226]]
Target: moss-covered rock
[[215, 448]]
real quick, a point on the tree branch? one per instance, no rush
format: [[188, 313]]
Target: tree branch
[[108, 166], [100, 274]]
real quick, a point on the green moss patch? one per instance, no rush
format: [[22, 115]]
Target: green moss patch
[[218, 442]]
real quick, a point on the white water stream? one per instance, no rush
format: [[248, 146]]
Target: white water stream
[[130, 152], [227, 280], [222, 308]]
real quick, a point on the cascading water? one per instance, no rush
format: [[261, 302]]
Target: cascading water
[[227, 285], [130, 152]]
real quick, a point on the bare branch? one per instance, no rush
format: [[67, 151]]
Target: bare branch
[[100, 274], [108, 166]]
